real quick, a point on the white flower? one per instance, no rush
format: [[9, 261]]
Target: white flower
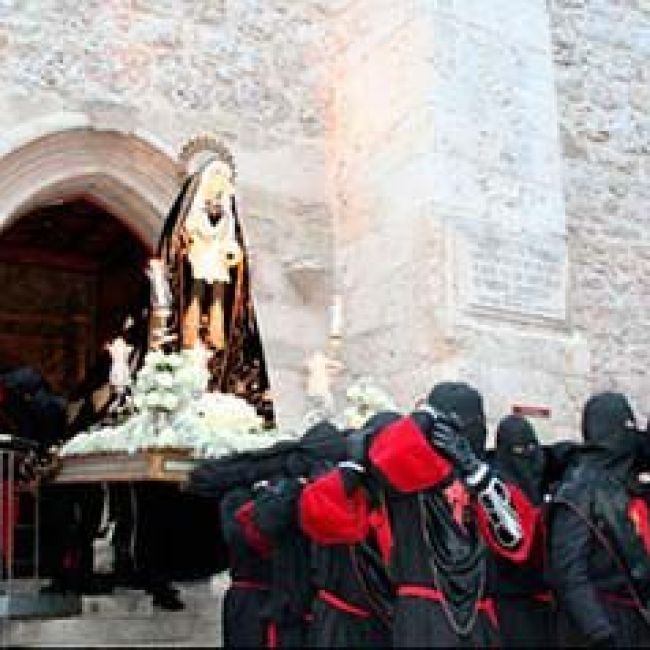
[[153, 399], [168, 401], [167, 437], [165, 379], [153, 358]]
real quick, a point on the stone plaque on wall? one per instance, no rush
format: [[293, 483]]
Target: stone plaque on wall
[[524, 273]]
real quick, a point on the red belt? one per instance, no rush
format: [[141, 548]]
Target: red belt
[[336, 602], [272, 635], [418, 591], [249, 584], [619, 600], [544, 597]]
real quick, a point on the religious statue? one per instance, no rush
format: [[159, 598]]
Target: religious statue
[[202, 246], [120, 373], [208, 236]]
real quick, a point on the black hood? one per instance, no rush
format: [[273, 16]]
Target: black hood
[[519, 456], [466, 402], [380, 420], [610, 434]]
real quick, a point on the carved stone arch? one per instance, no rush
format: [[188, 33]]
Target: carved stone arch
[[130, 174]]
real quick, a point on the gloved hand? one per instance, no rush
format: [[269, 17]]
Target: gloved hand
[[275, 505], [443, 432], [352, 474], [356, 445]]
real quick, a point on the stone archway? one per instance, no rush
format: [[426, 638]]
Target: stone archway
[[129, 175], [62, 184]]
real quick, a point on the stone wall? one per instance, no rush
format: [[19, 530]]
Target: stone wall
[[450, 222], [250, 71], [601, 54]]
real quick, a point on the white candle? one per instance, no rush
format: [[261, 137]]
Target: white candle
[[161, 293], [336, 328]]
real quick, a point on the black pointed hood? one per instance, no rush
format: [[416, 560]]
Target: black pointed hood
[[466, 402], [610, 434], [519, 456]]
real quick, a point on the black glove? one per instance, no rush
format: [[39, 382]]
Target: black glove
[[353, 476], [442, 432], [356, 445], [276, 506]]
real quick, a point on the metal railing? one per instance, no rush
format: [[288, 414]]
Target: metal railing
[[19, 529]]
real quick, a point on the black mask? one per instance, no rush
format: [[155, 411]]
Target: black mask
[[466, 402], [519, 456], [610, 433]]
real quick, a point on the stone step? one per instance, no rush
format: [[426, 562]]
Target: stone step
[[128, 618]]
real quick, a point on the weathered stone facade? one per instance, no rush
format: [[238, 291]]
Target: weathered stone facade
[[601, 55]]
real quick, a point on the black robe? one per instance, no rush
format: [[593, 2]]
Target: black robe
[[287, 611], [521, 592], [595, 600], [250, 574], [600, 566], [354, 600], [345, 611], [439, 566]]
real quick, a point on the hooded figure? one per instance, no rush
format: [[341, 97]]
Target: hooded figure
[[519, 456], [600, 565], [250, 574], [438, 493], [460, 399], [448, 553], [354, 595], [269, 520], [522, 596]]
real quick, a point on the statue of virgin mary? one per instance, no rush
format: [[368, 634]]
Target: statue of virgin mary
[[203, 247]]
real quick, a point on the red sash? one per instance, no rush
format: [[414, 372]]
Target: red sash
[[343, 606], [485, 605]]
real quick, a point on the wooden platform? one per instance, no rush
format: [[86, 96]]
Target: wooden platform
[[154, 465]]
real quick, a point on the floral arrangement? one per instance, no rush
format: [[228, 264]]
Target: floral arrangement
[[167, 381], [171, 409], [364, 398]]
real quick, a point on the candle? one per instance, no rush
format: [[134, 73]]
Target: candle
[[336, 327], [160, 291]]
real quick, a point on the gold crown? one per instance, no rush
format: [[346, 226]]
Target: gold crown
[[209, 148], [216, 180]]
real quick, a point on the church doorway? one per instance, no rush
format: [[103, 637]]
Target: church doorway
[[70, 273]]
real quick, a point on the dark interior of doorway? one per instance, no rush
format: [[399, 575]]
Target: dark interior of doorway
[[70, 273]]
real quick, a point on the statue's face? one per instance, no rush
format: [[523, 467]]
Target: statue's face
[[213, 206]]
